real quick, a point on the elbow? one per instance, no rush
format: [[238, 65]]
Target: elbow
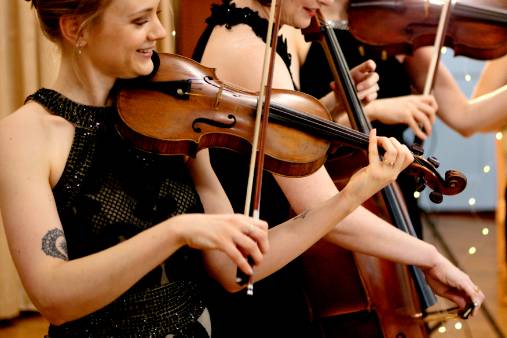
[[55, 310], [53, 313], [465, 131], [232, 287]]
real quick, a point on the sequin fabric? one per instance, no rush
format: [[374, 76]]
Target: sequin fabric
[[109, 192]]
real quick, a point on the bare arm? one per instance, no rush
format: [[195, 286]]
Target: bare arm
[[493, 77], [466, 117], [308, 192], [64, 289], [293, 237]]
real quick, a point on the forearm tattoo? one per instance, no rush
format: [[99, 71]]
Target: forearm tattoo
[[54, 244], [302, 215]]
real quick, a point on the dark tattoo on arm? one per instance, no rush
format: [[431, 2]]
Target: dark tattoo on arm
[[302, 215], [54, 244]]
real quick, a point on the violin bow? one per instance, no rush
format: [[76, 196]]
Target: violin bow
[[443, 23], [261, 123]]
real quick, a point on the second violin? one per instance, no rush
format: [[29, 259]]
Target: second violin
[[476, 29]]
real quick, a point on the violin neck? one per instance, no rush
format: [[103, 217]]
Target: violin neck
[[481, 12], [318, 127]]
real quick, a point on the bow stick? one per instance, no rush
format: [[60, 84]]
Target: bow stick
[[261, 123]]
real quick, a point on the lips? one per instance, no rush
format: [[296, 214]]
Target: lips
[[311, 12]]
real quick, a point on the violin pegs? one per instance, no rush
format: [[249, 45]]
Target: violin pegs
[[420, 185], [417, 149], [433, 160], [436, 197]]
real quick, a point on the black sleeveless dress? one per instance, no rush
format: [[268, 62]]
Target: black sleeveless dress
[[394, 81], [277, 308], [108, 193]]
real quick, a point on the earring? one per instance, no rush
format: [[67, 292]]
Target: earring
[[79, 47]]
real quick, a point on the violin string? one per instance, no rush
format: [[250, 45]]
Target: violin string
[[485, 13]]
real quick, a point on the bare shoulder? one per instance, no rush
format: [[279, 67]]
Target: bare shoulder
[[26, 135], [22, 127], [235, 54]]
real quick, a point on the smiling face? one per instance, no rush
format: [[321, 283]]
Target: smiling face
[[120, 42], [299, 13]]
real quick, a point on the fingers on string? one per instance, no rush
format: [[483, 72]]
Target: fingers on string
[[373, 147], [405, 156], [367, 66], [391, 153]]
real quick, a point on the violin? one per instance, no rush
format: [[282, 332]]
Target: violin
[[476, 29], [184, 107]]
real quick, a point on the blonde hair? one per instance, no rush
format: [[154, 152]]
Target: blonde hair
[[50, 11]]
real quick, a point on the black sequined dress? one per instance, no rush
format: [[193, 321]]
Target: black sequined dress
[[108, 193], [277, 308]]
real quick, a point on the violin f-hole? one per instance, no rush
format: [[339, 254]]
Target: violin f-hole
[[214, 123]]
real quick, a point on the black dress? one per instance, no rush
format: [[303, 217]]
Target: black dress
[[277, 308], [394, 81], [109, 192]]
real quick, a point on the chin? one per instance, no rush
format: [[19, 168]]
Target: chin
[[302, 24], [144, 69]]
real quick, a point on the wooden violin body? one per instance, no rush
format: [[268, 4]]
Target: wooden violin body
[[476, 29], [184, 108]]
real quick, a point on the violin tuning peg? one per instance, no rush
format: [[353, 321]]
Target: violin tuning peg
[[433, 160], [417, 149], [436, 197], [420, 185]]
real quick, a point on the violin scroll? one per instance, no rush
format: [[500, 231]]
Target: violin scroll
[[427, 174]]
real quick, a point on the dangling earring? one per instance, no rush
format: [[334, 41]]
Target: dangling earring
[[79, 46]]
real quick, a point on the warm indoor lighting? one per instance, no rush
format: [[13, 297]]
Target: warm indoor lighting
[[472, 250], [485, 231], [471, 201], [417, 194], [442, 329], [499, 135], [458, 326], [486, 169]]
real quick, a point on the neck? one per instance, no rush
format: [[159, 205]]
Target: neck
[[81, 82]]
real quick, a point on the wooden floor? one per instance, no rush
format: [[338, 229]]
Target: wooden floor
[[453, 234]]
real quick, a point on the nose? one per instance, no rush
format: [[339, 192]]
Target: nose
[[157, 32]]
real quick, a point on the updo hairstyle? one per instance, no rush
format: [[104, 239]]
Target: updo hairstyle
[[50, 11]]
